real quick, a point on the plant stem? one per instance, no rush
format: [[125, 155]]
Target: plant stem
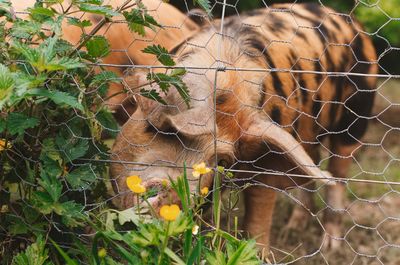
[[138, 205], [99, 25], [164, 245], [217, 207]]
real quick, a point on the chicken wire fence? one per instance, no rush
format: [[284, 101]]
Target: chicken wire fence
[[368, 221]]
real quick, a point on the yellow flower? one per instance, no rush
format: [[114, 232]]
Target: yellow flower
[[3, 145], [200, 169], [134, 184], [102, 253], [170, 212], [195, 230], [204, 191], [164, 183]]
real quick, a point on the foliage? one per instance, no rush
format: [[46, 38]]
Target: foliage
[[52, 121], [377, 17]]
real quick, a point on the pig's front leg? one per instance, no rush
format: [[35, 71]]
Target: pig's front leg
[[259, 206]]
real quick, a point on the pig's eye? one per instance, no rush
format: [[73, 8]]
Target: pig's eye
[[223, 163]]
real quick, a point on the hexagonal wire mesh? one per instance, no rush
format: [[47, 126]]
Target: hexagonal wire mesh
[[263, 83]]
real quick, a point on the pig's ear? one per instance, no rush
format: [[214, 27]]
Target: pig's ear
[[261, 137], [191, 122]]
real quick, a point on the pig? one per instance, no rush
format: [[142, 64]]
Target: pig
[[263, 95]]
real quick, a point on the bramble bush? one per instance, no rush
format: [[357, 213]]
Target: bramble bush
[[54, 207]]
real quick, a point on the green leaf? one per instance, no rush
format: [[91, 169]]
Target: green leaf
[[96, 9], [81, 178], [68, 259], [161, 53], [44, 57], [138, 19], [58, 97], [24, 29], [41, 11], [165, 81], [178, 72], [128, 215], [245, 253], [71, 214], [35, 254], [173, 256], [196, 251], [3, 125], [108, 122], [49, 150], [24, 81], [72, 148], [152, 94], [17, 123], [180, 224], [101, 81], [18, 228], [205, 5], [6, 83], [43, 202], [5, 7], [79, 23], [51, 184], [98, 47]]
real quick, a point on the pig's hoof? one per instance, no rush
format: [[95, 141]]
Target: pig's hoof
[[333, 238]]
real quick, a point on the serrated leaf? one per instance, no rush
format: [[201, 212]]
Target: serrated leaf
[[24, 29], [178, 72], [153, 95], [58, 97], [72, 148], [41, 11], [64, 63], [97, 9], [17, 123], [138, 19], [5, 7], [98, 47], [107, 120], [35, 254], [18, 228], [161, 53], [128, 215], [43, 202], [81, 178], [101, 81], [71, 214], [165, 81], [205, 5], [51, 184], [6, 83], [44, 57], [79, 23], [51, 158]]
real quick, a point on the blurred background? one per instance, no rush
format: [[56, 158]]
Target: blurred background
[[379, 17]]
